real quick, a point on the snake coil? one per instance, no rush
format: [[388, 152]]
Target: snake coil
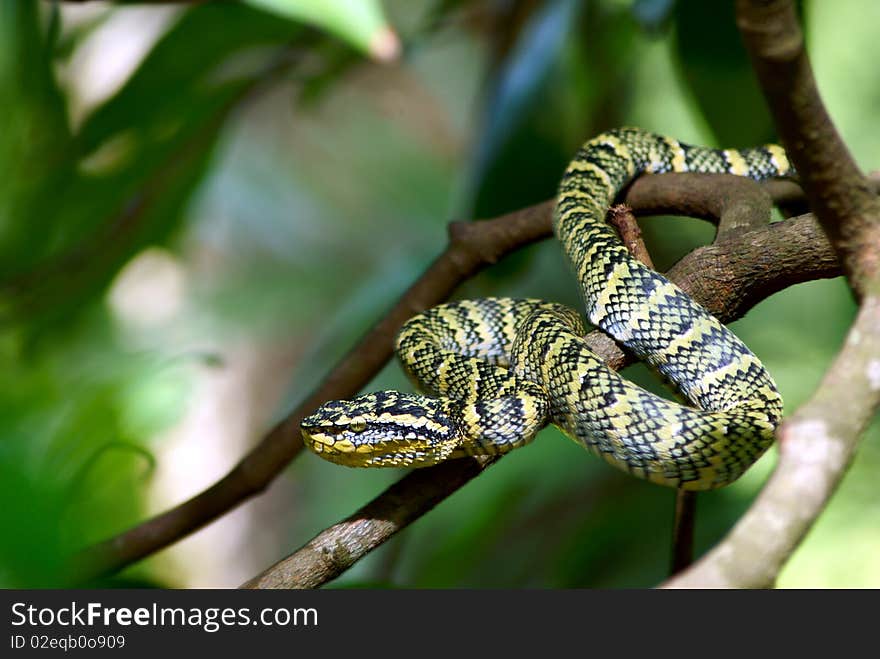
[[497, 370]]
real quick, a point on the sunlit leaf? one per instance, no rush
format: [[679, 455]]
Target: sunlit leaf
[[360, 22]]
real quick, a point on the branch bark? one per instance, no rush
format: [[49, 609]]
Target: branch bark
[[817, 443]]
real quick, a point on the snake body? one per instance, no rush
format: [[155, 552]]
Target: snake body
[[497, 370]]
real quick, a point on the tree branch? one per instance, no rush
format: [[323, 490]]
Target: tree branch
[[818, 442], [471, 248], [839, 194]]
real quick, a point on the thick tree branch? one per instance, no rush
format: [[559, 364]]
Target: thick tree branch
[[818, 442], [727, 277], [839, 194], [737, 204]]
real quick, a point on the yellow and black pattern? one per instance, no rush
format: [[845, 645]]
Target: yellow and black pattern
[[497, 370]]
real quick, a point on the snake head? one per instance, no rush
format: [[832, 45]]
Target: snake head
[[383, 429]]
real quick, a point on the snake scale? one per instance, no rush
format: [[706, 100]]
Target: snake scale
[[497, 370]]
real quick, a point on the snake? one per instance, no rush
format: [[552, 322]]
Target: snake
[[493, 372]]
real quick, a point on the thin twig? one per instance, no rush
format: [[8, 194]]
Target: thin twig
[[621, 217], [683, 523]]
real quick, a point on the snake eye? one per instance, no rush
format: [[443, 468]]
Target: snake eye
[[358, 426]]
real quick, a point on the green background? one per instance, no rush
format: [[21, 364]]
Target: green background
[[184, 254]]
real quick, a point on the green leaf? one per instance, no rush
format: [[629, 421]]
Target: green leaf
[[78, 207], [35, 146], [361, 23]]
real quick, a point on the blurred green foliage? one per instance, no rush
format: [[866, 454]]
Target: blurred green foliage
[[298, 189], [361, 22]]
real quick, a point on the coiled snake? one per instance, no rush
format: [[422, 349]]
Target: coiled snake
[[497, 370]]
